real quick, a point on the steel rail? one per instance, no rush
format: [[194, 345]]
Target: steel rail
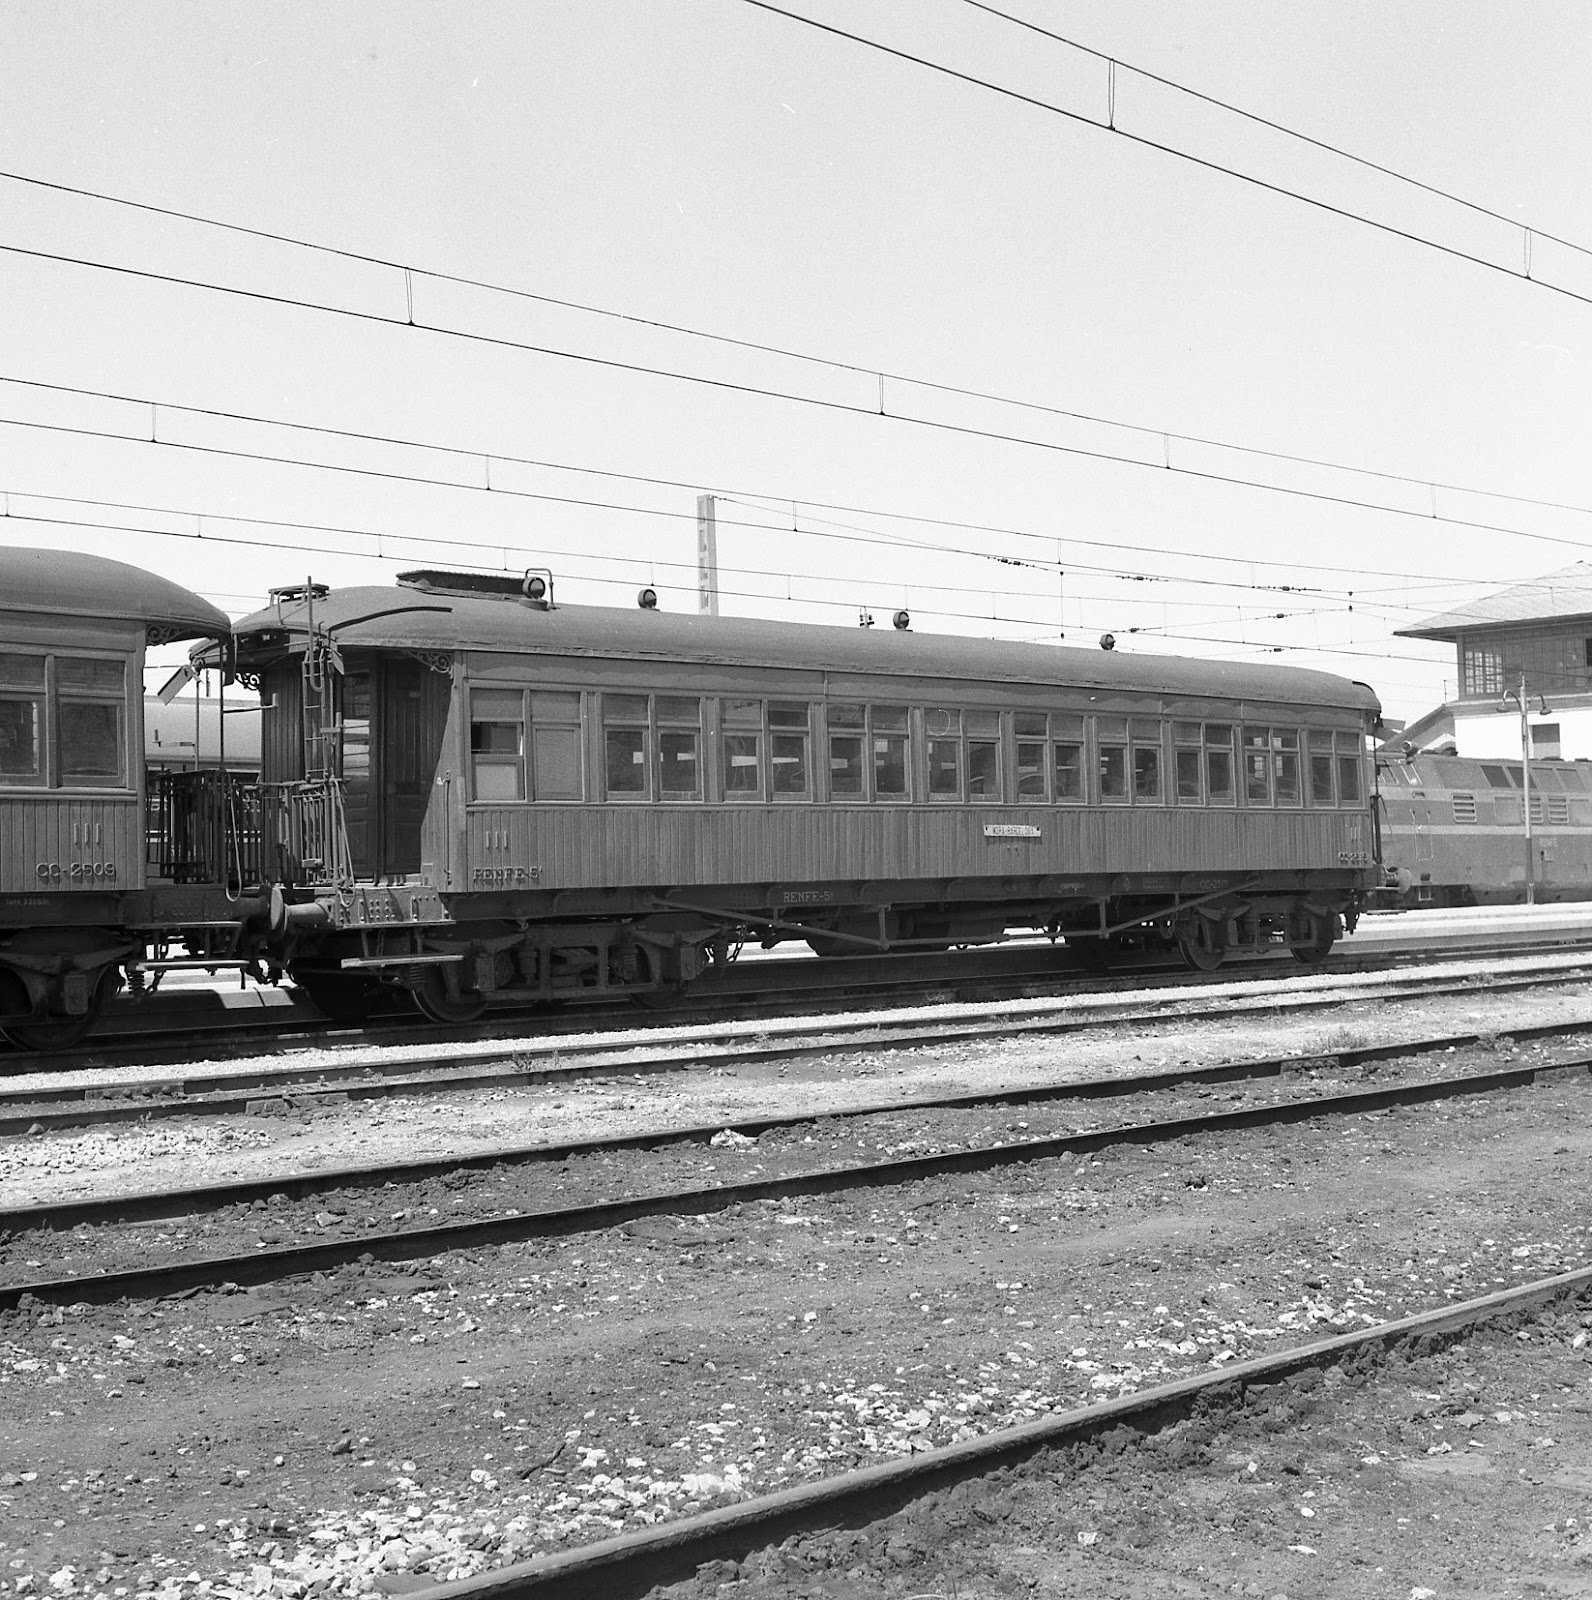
[[715, 1000], [191, 1199], [271, 1265], [452, 1074], [630, 1565]]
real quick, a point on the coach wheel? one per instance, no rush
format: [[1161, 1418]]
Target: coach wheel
[[1202, 946], [1325, 931], [343, 997], [62, 1032], [434, 1000]]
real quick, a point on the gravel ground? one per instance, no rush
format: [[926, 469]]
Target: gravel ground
[[1360, 1484], [390, 1427]]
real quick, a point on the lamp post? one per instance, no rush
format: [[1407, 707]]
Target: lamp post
[[1522, 700]]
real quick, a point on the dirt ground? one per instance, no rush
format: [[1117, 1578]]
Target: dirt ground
[[388, 1428]]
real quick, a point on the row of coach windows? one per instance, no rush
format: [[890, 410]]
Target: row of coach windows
[[63, 721], [528, 745]]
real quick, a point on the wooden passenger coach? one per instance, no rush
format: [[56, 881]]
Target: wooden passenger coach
[[491, 798], [85, 889]]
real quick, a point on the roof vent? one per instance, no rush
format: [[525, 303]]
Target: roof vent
[[537, 588], [647, 599]]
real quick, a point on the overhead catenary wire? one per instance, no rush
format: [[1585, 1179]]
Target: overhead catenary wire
[[1314, 142], [1113, 127], [149, 433], [407, 273]]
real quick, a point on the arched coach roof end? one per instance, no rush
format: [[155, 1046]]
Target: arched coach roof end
[[64, 583]]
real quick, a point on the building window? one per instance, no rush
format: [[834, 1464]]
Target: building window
[[1482, 672]]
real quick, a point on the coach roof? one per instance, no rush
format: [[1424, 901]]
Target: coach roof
[[66, 583], [405, 618]]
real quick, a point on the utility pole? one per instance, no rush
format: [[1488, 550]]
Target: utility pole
[[707, 556]]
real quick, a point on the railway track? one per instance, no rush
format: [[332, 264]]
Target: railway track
[[152, 1034], [632, 1565], [108, 1098], [510, 1224]]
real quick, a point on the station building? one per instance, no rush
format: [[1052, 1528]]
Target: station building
[[1532, 640]]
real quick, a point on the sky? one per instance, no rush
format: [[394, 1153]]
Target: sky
[[977, 324]]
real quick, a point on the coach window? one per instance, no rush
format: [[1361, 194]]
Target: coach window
[[497, 743], [556, 746], [625, 731], [91, 698], [1320, 769], [943, 730], [1030, 729], [1186, 743], [679, 719], [983, 730], [1066, 756], [1285, 765], [789, 730], [1146, 740], [1257, 766], [21, 719], [1111, 738], [742, 742], [1220, 789], [1350, 792], [846, 731], [887, 726]]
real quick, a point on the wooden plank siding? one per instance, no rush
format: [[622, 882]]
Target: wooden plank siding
[[618, 846], [63, 829]]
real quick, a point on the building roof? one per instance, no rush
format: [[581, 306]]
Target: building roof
[[66, 583], [1556, 597], [443, 620]]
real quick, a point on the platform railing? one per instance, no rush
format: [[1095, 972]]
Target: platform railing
[[203, 827], [304, 833]]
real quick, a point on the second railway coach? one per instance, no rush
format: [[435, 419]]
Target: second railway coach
[[487, 798]]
